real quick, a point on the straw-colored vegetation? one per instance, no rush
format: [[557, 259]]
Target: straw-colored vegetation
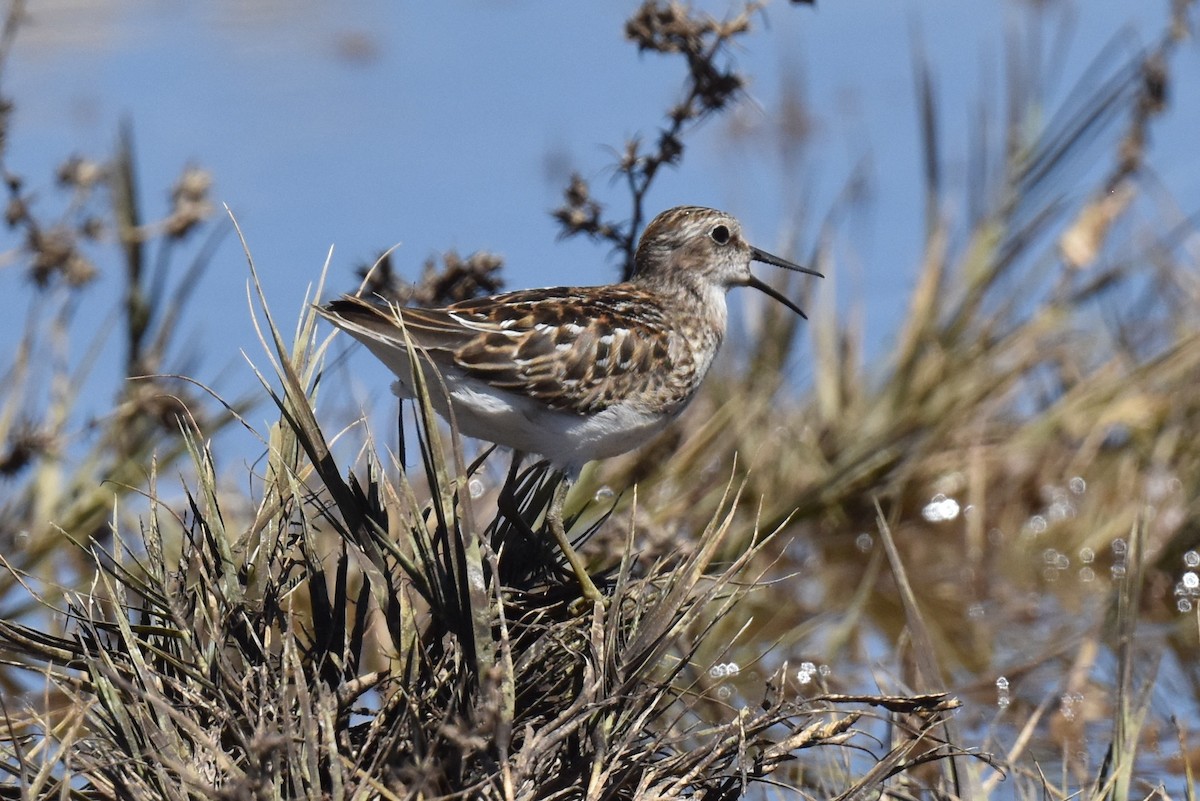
[[956, 574]]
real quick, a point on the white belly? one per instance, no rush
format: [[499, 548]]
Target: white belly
[[567, 439]]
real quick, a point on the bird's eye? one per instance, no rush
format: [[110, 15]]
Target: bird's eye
[[720, 234]]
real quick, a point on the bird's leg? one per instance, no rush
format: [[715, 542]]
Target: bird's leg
[[554, 518], [508, 506]]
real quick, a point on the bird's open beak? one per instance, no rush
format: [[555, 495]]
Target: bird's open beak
[[767, 258]]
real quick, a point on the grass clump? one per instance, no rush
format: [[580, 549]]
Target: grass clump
[[353, 639]]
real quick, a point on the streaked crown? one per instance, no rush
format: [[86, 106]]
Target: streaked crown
[[702, 250], [692, 239]]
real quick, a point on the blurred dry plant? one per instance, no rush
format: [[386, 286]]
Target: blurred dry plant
[[67, 460], [457, 279]]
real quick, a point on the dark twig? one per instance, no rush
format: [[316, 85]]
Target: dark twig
[[712, 82]]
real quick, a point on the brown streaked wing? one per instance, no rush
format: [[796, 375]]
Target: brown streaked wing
[[573, 349]]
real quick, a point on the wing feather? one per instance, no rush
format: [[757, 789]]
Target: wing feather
[[573, 349]]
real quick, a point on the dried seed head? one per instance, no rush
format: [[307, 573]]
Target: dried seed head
[[190, 204], [80, 173]]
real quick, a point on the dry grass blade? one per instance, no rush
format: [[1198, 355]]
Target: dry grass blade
[[928, 674], [653, 633], [454, 513], [1132, 702], [909, 704]]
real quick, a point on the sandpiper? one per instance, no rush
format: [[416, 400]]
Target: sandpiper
[[575, 374]]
